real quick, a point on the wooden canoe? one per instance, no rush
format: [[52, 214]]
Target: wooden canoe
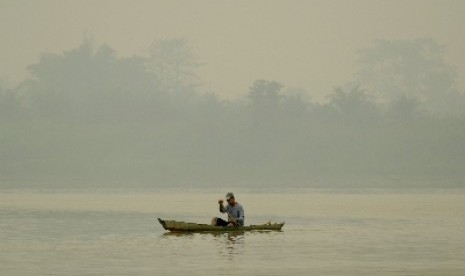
[[180, 226]]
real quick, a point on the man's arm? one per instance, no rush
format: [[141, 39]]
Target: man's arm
[[222, 209]]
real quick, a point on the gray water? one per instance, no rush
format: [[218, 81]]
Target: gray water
[[84, 233]]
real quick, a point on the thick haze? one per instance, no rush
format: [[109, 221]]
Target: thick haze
[[220, 93], [304, 44]]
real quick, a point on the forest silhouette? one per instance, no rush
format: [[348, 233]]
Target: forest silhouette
[[88, 118]]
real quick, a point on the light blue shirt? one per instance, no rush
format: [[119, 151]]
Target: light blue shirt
[[236, 212]]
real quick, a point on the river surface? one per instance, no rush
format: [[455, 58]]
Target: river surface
[[326, 233]]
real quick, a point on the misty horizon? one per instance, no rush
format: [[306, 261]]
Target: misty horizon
[[89, 117]]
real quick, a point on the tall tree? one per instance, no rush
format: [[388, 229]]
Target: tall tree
[[413, 69], [91, 83], [174, 66], [266, 93], [353, 105]]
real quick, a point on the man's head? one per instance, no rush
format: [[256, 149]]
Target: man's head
[[230, 198]]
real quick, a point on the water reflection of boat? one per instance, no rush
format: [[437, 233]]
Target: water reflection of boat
[[181, 226], [230, 235]]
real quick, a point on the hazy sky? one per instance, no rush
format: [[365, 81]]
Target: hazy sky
[[306, 44]]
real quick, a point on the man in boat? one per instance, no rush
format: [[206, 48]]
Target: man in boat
[[234, 210]]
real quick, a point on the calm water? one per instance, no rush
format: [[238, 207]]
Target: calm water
[[325, 234]]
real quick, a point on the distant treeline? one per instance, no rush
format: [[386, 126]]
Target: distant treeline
[[89, 117]]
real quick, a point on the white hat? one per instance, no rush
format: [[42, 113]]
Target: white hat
[[229, 195]]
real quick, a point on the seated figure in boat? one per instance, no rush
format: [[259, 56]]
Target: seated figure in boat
[[234, 210]]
